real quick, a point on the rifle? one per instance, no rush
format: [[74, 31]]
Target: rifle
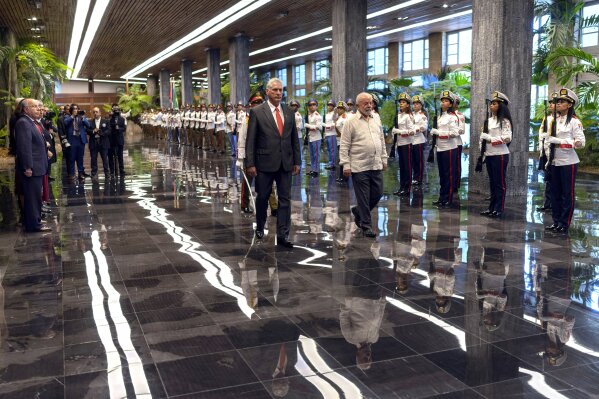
[[306, 139], [431, 154], [552, 146], [543, 159], [483, 146], [395, 125]]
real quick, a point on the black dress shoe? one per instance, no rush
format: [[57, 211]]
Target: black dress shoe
[[396, 192], [259, 234], [404, 193], [488, 198], [43, 229], [543, 208], [357, 219], [443, 204], [368, 232], [553, 227], [496, 214], [437, 202], [562, 229], [486, 213], [85, 174], [246, 210], [283, 242]]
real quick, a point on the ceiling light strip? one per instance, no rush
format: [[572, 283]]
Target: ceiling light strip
[[419, 24], [214, 25], [291, 56], [394, 8], [80, 15], [90, 33]]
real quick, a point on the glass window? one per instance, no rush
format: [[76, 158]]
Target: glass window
[[590, 36], [378, 61], [299, 77], [417, 81], [376, 85], [300, 92], [321, 70], [282, 74], [459, 47], [415, 55]]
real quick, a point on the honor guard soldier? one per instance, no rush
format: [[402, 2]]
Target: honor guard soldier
[[459, 142], [241, 156], [202, 121], [341, 119], [497, 153], [330, 135], [351, 107], [418, 141], [185, 128], [193, 126], [563, 160], [299, 122], [313, 128], [221, 120], [405, 131], [447, 129], [230, 128], [544, 133], [211, 127]]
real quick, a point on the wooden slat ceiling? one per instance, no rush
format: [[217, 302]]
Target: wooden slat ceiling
[[134, 30]]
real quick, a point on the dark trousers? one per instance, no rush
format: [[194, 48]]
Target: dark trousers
[[368, 187], [263, 189], [457, 177], [115, 160], [93, 153], [404, 155], [32, 206], [547, 203], [563, 180], [497, 168], [76, 152], [418, 162], [446, 163]]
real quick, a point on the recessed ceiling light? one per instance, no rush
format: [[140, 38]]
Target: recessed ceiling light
[[107, 76], [149, 74], [35, 29], [328, 39], [445, 5], [371, 27], [32, 19], [293, 49], [402, 18]]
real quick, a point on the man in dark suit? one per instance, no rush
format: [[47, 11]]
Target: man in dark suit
[[117, 141], [76, 125], [99, 142], [32, 163], [272, 154]]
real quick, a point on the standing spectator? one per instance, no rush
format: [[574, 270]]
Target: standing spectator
[[363, 155], [76, 126], [117, 142], [32, 163], [99, 143]]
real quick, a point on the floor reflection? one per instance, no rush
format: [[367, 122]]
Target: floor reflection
[[154, 286]]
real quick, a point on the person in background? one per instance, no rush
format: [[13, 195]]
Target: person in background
[[341, 119], [313, 128], [221, 120], [405, 132], [76, 125], [117, 142], [230, 129], [330, 135], [299, 122], [421, 127], [99, 143]]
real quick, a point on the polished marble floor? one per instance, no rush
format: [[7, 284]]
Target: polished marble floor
[[153, 286]]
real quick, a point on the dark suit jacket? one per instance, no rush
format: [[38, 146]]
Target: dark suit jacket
[[31, 147], [103, 138], [265, 148], [69, 122], [117, 136]]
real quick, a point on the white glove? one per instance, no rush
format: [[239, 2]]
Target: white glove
[[239, 163], [395, 131], [412, 133], [543, 136], [485, 136], [435, 132], [555, 140]]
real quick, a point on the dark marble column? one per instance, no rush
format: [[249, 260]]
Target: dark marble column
[[348, 76], [8, 75], [151, 85], [239, 67], [186, 86], [165, 78], [213, 64], [505, 64]]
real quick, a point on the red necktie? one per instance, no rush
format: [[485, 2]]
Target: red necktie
[[39, 127], [279, 121]]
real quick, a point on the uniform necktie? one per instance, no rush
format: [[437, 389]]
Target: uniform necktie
[[279, 121]]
